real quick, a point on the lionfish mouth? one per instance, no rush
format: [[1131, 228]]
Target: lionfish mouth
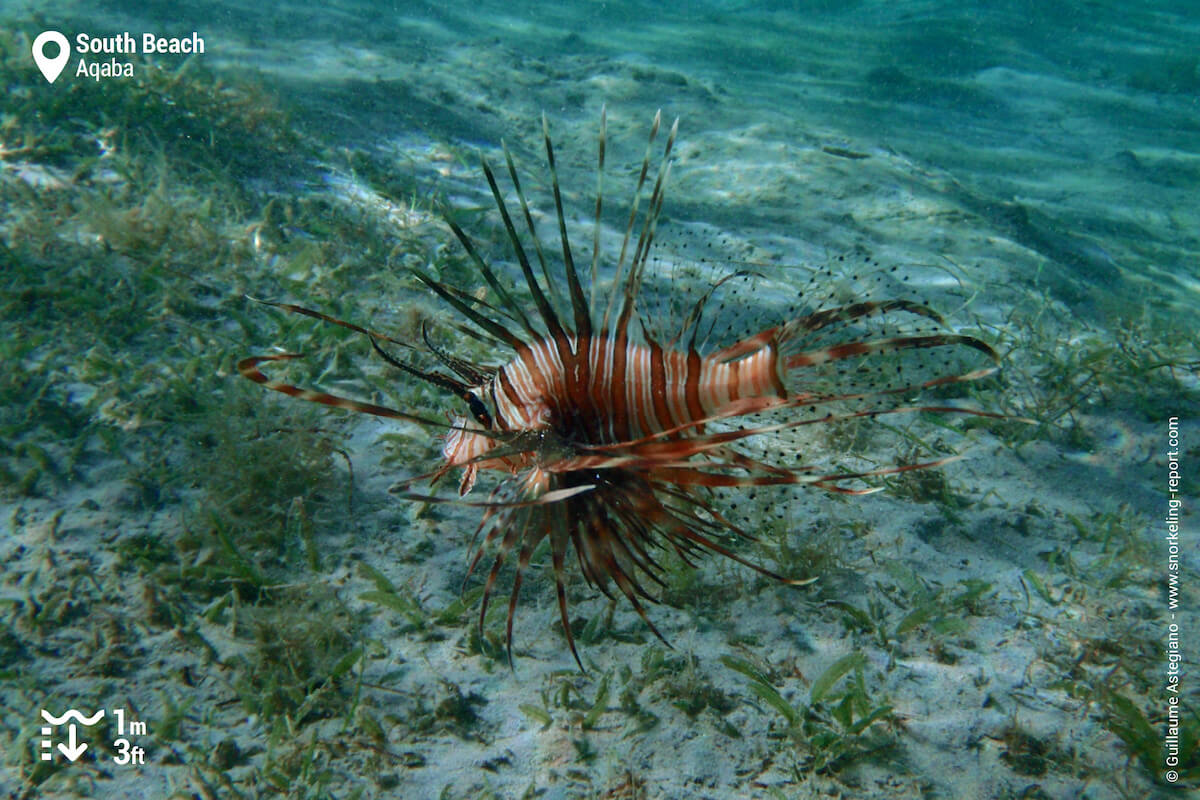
[[610, 431]]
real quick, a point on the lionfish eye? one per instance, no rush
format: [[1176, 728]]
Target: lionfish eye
[[478, 410]]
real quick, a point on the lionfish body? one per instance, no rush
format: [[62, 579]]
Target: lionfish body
[[629, 394], [610, 440]]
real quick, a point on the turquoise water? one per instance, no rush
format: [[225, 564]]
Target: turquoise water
[[242, 572]]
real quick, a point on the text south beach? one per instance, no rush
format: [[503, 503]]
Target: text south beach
[[127, 43]]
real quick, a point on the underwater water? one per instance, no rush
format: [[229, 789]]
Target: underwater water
[[242, 584]]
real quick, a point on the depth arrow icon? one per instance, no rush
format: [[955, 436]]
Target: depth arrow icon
[[72, 749]]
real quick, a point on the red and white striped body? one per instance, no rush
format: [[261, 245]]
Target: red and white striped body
[[643, 390]]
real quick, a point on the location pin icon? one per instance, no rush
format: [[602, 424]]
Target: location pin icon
[[51, 67]]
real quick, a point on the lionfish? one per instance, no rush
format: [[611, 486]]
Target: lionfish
[[611, 436]]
